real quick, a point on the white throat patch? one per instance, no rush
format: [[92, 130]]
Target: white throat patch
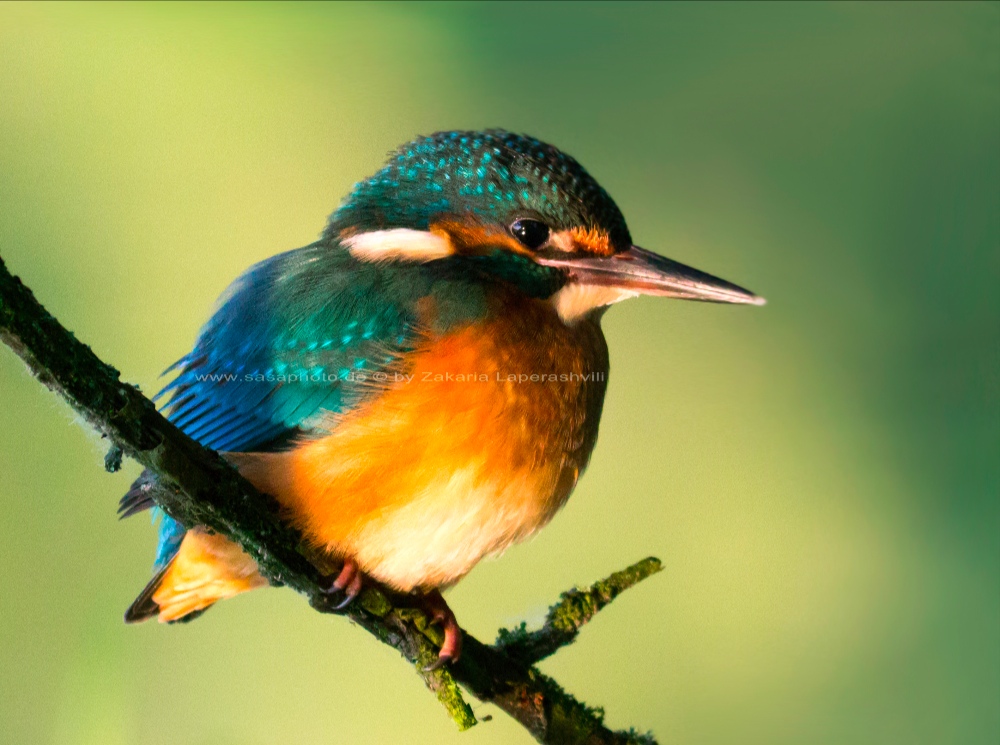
[[574, 301]]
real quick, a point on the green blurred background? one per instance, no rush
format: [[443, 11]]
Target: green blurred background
[[820, 476]]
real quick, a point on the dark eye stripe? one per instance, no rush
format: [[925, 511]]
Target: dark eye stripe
[[531, 234]]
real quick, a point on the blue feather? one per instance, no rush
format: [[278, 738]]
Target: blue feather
[[296, 314]]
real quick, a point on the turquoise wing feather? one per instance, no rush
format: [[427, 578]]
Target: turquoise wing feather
[[296, 336]]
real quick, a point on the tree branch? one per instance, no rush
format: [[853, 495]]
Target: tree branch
[[197, 487]]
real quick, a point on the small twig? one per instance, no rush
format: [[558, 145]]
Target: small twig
[[575, 608], [197, 487]]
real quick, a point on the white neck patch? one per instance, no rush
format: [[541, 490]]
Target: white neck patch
[[574, 301], [400, 244]]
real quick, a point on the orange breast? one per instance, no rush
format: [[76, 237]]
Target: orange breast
[[474, 447]]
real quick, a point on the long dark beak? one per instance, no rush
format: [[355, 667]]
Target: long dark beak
[[645, 273]]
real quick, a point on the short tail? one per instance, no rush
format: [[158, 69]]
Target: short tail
[[207, 568]]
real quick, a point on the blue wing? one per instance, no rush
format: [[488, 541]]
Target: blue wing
[[296, 336]]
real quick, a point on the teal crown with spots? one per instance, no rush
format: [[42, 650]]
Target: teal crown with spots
[[496, 175]]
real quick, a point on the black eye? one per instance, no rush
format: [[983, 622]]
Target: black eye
[[531, 233]]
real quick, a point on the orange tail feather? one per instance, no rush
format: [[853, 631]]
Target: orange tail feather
[[206, 569]]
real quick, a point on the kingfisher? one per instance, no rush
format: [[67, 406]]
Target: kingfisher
[[422, 386]]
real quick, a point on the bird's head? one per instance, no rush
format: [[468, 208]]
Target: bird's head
[[516, 209]]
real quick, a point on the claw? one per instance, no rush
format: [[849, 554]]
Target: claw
[[352, 590], [346, 576], [438, 664], [349, 582], [451, 648]]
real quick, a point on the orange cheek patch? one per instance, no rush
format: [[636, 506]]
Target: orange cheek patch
[[474, 238], [591, 240]]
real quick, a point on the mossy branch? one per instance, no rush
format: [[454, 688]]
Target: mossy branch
[[195, 486]]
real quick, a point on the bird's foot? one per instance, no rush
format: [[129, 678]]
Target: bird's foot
[[451, 649], [348, 582]]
